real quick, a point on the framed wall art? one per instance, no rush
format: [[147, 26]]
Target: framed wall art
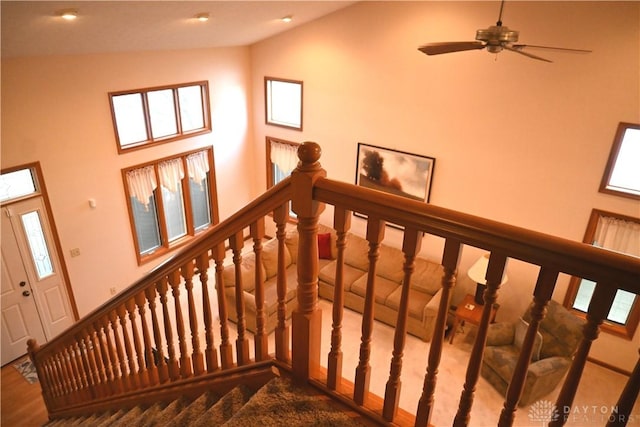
[[396, 172]]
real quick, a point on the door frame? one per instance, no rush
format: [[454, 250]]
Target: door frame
[[41, 191]]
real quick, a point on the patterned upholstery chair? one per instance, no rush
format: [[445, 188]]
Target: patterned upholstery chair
[[559, 334]]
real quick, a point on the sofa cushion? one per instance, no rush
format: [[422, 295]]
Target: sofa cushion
[[271, 293], [427, 276], [521, 327], [356, 252], [390, 263], [247, 269], [270, 258], [291, 241], [383, 287], [349, 273], [417, 302]]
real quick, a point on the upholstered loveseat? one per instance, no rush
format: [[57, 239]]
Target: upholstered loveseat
[[424, 298]]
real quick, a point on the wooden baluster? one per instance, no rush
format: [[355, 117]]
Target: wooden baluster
[[495, 271], [56, 382], [450, 260], [410, 246], [306, 319], [280, 217], [226, 349], [163, 368], [143, 372], [99, 358], [598, 310], [185, 361], [67, 360], [375, 235], [542, 294], [256, 230], [197, 358], [236, 242], [51, 381], [94, 368], [622, 412], [86, 363], [132, 379], [79, 372], [146, 339], [210, 353], [64, 378], [124, 374], [116, 376], [174, 370], [342, 224]]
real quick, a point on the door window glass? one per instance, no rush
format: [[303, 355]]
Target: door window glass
[[37, 244]]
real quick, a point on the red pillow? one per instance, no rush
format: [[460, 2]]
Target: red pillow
[[324, 246]]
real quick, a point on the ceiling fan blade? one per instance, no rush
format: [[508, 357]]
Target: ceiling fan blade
[[533, 46], [526, 54], [448, 47]]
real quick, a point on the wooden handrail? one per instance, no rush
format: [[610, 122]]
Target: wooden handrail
[[109, 355]]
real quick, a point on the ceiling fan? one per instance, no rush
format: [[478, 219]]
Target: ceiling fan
[[495, 39]]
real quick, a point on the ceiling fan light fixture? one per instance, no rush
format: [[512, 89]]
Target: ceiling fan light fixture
[[202, 17], [287, 19], [68, 14]]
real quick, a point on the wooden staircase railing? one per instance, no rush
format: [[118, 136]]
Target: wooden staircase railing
[[160, 333]]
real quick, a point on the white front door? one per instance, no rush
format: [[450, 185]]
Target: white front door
[[30, 247]]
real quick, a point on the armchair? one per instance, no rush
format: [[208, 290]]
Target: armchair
[[558, 337]]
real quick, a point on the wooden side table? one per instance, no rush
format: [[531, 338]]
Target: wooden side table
[[470, 311]]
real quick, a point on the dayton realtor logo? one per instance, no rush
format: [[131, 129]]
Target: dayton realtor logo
[[544, 411]]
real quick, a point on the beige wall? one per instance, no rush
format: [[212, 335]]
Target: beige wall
[[515, 140], [55, 110]]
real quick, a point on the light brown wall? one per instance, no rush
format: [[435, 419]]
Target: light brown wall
[[515, 140], [55, 110]]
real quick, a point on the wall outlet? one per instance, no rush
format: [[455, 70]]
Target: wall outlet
[[112, 291], [75, 252]]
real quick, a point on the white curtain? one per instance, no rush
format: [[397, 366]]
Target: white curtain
[[618, 235], [198, 166], [171, 174], [285, 156], [142, 183]]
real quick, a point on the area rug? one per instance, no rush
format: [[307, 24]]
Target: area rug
[[26, 368]]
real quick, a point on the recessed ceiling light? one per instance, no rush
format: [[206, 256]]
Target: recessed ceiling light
[[287, 18], [202, 17], [69, 14]]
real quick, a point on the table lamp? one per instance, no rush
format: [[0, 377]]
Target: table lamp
[[478, 273]]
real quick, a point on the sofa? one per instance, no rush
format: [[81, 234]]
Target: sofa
[[558, 337], [424, 298]]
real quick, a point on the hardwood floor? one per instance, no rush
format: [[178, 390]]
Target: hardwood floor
[[22, 403]]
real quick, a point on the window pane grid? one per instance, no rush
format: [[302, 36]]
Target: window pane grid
[[157, 115]]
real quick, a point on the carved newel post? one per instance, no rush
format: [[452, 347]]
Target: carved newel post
[[306, 320]]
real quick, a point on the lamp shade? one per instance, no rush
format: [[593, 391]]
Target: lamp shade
[[478, 271]]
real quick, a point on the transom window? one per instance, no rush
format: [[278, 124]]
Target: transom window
[[170, 201], [618, 233], [17, 184], [622, 175], [283, 102], [144, 117]]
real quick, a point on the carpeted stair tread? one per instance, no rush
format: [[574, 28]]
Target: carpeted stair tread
[[194, 410], [112, 419], [281, 402], [128, 419], [225, 408], [164, 416], [150, 414]]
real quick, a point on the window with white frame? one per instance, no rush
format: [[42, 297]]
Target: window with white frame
[[283, 102], [622, 175], [170, 201], [282, 159], [144, 117], [620, 233]]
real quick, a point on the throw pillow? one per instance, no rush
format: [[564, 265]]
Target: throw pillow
[[324, 246], [521, 332]]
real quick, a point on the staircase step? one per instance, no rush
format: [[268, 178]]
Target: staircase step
[[128, 419], [112, 419], [281, 402], [194, 410], [165, 415], [225, 408]]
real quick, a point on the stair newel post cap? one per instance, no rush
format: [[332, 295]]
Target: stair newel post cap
[[303, 179]]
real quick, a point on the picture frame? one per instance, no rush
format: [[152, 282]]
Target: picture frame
[[283, 102], [393, 171]]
